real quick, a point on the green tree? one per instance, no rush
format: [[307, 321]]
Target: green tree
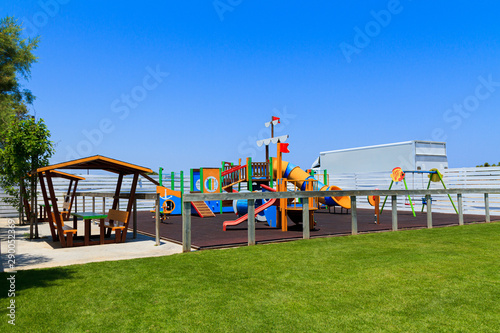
[[26, 147], [16, 58]]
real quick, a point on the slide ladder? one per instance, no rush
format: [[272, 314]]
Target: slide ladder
[[202, 209]]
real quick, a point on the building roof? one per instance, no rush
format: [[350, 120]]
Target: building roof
[[383, 145]]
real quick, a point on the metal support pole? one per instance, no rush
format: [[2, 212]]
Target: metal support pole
[[487, 207], [429, 211], [460, 209], [354, 216], [134, 221], [383, 205], [394, 213], [157, 219], [251, 221], [186, 227], [306, 233]]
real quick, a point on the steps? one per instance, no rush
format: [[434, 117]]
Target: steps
[[202, 209]]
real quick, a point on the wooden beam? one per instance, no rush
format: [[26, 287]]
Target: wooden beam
[[251, 221], [150, 179], [394, 213], [157, 219], [460, 209], [54, 210], [306, 232], [130, 204], [428, 198], [354, 216], [186, 227], [47, 207], [487, 207]]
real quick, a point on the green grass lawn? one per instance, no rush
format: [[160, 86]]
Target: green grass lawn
[[436, 280]]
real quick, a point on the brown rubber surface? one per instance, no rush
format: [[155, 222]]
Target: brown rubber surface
[[207, 232]]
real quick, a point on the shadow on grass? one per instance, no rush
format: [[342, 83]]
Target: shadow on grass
[[36, 278]]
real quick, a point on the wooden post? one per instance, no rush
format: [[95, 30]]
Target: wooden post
[[251, 221], [55, 209], [487, 207], [394, 213], [186, 227], [157, 219], [83, 204], [460, 209], [116, 199], [93, 204], [429, 210], [306, 233], [354, 216], [283, 205], [103, 205], [134, 221]]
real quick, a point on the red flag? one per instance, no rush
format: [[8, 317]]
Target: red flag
[[284, 148], [276, 118]]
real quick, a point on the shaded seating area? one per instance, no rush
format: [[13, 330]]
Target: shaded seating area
[[118, 221], [68, 198]]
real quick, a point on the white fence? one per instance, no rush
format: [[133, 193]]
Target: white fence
[[454, 178]]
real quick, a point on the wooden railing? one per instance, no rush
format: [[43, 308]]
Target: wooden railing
[[234, 175], [252, 196], [260, 169]]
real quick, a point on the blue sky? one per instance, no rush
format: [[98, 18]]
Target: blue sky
[[187, 84]]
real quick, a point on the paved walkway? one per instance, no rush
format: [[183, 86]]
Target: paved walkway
[[43, 252]]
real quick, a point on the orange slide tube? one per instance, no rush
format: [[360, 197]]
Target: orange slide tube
[[296, 174]]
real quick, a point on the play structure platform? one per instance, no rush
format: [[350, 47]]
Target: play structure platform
[[207, 233]]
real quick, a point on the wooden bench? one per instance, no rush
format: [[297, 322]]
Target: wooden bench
[[67, 230], [116, 218]]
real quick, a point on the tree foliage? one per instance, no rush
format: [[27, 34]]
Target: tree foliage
[[16, 58], [487, 165], [26, 147]]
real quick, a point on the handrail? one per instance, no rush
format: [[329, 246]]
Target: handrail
[[251, 196], [234, 169], [310, 194]]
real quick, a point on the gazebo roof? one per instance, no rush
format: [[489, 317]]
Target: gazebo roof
[[100, 163], [68, 176]]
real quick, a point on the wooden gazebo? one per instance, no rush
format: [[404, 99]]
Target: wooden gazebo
[[56, 218], [68, 198]]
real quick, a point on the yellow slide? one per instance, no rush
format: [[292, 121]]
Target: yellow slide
[[296, 174]]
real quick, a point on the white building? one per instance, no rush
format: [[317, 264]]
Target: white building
[[409, 155]]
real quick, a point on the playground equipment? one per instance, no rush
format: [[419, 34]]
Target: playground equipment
[[258, 210], [170, 202], [374, 200], [299, 177], [434, 175]]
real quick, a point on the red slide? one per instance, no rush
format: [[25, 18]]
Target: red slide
[[257, 210]]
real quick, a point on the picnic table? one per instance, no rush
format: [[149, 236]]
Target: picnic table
[[87, 217]]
